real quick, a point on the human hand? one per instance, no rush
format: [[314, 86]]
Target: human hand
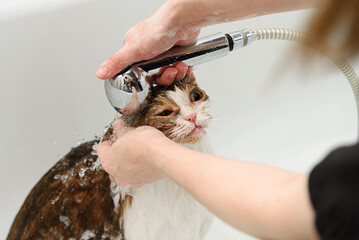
[[128, 160], [151, 37]]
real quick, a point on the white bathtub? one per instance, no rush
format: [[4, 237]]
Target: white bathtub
[[51, 98]]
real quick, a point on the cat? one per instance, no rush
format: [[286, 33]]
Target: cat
[[75, 199]]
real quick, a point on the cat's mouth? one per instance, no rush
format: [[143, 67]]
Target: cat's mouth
[[197, 130], [194, 135]]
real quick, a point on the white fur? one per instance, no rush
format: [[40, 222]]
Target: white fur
[[164, 211], [187, 108]]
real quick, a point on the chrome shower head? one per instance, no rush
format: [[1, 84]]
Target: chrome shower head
[[118, 89]]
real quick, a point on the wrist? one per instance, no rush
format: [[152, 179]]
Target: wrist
[[182, 18], [196, 14], [159, 153]]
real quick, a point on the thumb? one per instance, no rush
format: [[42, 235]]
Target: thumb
[[117, 62], [103, 149]]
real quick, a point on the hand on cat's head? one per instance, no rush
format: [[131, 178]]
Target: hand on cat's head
[[126, 152], [127, 160], [175, 72]]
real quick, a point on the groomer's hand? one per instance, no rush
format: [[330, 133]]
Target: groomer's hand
[[151, 37], [128, 160]]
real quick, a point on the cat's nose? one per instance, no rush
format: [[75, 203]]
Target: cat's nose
[[191, 117]]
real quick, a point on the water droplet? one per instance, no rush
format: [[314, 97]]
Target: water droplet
[[80, 139], [95, 146], [96, 165], [54, 200], [65, 220], [82, 172], [64, 178]]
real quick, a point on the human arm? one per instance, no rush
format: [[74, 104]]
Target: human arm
[[263, 201], [179, 22]]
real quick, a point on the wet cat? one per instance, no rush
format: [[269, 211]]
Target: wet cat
[[76, 200]]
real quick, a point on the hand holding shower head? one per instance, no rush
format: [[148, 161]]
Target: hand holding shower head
[[118, 89]]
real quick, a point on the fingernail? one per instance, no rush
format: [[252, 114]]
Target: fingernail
[[102, 72]]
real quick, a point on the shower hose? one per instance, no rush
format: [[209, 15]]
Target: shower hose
[[329, 52]]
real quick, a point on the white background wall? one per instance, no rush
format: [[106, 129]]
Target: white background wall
[[267, 107]]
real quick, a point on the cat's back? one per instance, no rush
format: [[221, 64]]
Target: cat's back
[[72, 200]]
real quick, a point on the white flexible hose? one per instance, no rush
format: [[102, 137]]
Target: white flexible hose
[[339, 61]]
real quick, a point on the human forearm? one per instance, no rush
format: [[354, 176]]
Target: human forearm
[[179, 22], [264, 201], [199, 13]]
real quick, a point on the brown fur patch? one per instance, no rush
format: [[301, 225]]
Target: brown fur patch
[[67, 201], [74, 196]]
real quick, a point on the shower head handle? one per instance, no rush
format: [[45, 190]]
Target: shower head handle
[[119, 88]]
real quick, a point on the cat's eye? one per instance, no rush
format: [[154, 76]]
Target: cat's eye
[[165, 113], [196, 95]]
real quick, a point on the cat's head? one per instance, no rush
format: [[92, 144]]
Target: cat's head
[[180, 111]]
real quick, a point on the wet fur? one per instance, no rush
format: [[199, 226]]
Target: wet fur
[[157, 101], [85, 203], [75, 198]]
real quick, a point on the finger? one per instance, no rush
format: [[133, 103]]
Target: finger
[[189, 70], [116, 62], [190, 75], [182, 70], [149, 80], [167, 77], [152, 79], [121, 182], [162, 69], [137, 185], [112, 179], [103, 150]]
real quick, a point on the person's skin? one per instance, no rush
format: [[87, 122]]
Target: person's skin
[[179, 22], [263, 201]]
